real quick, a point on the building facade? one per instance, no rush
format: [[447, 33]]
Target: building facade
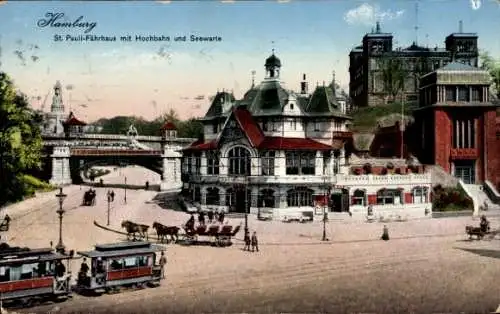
[[366, 85], [456, 123], [282, 152]]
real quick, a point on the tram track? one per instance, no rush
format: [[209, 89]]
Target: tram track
[[248, 281]]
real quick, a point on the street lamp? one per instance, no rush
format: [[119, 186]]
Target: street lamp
[[61, 196], [246, 206], [125, 199], [109, 202], [325, 213]]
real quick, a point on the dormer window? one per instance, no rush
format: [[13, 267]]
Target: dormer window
[[316, 126], [291, 106]]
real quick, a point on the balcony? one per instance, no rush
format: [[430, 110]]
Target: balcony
[[290, 179], [397, 179], [464, 153]]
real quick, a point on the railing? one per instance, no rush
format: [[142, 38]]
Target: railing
[[369, 179], [295, 179], [115, 152], [491, 192], [139, 138], [463, 153]]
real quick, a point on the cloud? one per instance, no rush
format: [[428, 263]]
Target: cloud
[[475, 4], [367, 14]]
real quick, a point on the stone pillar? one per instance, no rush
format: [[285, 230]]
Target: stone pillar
[[344, 167], [203, 197], [171, 170], [222, 197], [318, 164], [203, 170], [61, 174]]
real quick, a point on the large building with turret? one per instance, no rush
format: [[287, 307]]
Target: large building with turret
[[367, 85]]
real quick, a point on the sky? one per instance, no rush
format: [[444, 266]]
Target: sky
[[105, 79]]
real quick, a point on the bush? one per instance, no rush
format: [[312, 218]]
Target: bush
[[32, 184], [450, 199]]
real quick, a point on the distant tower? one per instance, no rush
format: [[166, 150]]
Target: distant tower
[[56, 116], [253, 78], [303, 85], [273, 66]]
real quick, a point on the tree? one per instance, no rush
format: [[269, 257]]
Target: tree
[[20, 141], [491, 65], [394, 72]]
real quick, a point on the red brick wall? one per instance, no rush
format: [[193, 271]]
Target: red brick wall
[[443, 140], [492, 150]]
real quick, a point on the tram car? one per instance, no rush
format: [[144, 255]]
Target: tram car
[[116, 265], [27, 275]]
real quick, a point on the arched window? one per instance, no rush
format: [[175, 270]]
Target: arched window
[[239, 161], [359, 198], [299, 197], [389, 196], [213, 196], [266, 198], [419, 195]]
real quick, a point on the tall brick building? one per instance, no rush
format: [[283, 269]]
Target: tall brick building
[[456, 124], [366, 86]]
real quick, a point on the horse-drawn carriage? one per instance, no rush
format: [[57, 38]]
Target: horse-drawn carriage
[[218, 235], [89, 198], [163, 232], [481, 231]]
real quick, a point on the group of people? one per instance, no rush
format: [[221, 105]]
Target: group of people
[[89, 197], [212, 216], [251, 241]]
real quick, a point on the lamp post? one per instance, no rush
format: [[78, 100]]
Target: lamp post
[[61, 196], [125, 198], [245, 187], [109, 202], [325, 217]]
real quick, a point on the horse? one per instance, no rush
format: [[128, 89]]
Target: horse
[[132, 228], [164, 231]]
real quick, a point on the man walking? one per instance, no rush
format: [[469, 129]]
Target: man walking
[[163, 262], [247, 242], [255, 242]]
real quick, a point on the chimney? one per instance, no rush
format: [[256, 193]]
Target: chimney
[[460, 26], [303, 85]]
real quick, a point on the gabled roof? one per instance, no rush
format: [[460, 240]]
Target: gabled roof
[[323, 102], [216, 108], [270, 98], [248, 125], [72, 120]]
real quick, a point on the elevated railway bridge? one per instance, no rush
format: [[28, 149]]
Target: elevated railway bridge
[[67, 156]]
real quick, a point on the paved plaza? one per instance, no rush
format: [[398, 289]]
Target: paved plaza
[[426, 267]]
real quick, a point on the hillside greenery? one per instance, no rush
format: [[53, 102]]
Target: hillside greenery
[[20, 143], [365, 119]]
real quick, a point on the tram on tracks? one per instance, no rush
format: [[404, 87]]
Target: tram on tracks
[[27, 275], [116, 265]]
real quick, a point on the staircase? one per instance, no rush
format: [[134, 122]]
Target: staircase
[[478, 195]]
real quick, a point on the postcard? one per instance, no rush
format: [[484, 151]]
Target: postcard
[[285, 156]]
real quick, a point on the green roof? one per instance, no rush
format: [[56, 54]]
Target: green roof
[[457, 66]]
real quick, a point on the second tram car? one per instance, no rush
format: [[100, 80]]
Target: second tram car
[[119, 264]]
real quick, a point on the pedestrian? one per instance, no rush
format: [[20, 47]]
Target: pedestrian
[[112, 195], [385, 233], [255, 242], [60, 269], [247, 242], [147, 185], [163, 262]]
